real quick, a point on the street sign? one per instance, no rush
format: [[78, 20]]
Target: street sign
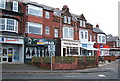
[[51, 47]]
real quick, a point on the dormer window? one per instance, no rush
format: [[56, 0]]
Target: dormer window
[[2, 4], [81, 23], [69, 20], [15, 6], [65, 19]]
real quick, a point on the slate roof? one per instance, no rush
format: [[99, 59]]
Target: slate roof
[[97, 30], [111, 38]]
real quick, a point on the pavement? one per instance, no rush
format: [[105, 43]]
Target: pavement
[[26, 68]]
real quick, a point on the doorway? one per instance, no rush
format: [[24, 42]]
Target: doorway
[[64, 51]]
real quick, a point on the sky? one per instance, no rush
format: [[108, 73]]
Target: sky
[[102, 12]]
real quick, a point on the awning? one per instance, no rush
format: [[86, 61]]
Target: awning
[[89, 48]]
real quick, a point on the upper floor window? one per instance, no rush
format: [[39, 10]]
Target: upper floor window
[[68, 32], [90, 37], [8, 25], [81, 23], [2, 4], [65, 19], [86, 34], [47, 30], [34, 10], [47, 14], [82, 36], [34, 28], [15, 6], [69, 20], [100, 39], [56, 33], [103, 38]]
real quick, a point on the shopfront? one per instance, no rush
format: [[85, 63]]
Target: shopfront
[[70, 48], [11, 50], [87, 49], [35, 47]]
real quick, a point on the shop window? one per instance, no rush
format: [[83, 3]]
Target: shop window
[[47, 14], [47, 30], [34, 28], [2, 4], [8, 25], [34, 10], [15, 6], [72, 51], [56, 33]]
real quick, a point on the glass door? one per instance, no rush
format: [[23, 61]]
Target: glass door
[[10, 54], [4, 55]]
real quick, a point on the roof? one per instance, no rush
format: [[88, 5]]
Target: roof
[[111, 38], [97, 30]]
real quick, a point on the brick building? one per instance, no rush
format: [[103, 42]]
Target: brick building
[[11, 29]]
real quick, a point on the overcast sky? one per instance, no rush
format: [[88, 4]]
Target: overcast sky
[[102, 12]]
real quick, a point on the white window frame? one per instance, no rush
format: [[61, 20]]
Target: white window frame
[[15, 2], [100, 38], [56, 33], [65, 19], [47, 30], [85, 37], [15, 26], [39, 9], [90, 37], [69, 20], [70, 33], [29, 24], [47, 14], [4, 3], [81, 23]]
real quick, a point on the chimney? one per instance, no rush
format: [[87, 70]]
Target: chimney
[[97, 26], [65, 7]]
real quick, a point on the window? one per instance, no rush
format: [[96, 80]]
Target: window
[[34, 28], [8, 25], [68, 32], [69, 20], [34, 10], [2, 4], [15, 6], [72, 51], [99, 38], [81, 23], [65, 19], [103, 38], [90, 38], [56, 33], [47, 14], [47, 30], [85, 35], [82, 36], [94, 38]]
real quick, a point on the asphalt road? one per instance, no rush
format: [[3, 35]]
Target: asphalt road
[[111, 74]]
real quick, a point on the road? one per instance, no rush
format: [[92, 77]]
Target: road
[[112, 73]]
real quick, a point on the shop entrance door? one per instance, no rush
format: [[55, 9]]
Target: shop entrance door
[[7, 55], [4, 55]]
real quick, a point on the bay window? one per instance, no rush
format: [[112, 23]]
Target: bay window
[[15, 6], [86, 34], [2, 4], [7, 24], [34, 10], [34, 28], [68, 32]]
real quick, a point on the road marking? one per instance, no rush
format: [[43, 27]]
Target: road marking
[[101, 75], [69, 76]]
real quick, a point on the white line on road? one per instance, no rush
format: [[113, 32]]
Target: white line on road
[[101, 75]]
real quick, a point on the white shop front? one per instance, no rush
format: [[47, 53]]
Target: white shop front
[[11, 50], [70, 48]]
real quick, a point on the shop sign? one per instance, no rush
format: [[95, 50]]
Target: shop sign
[[11, 40], [41, 41], [69, 43], [84, 45], [101, 46]]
